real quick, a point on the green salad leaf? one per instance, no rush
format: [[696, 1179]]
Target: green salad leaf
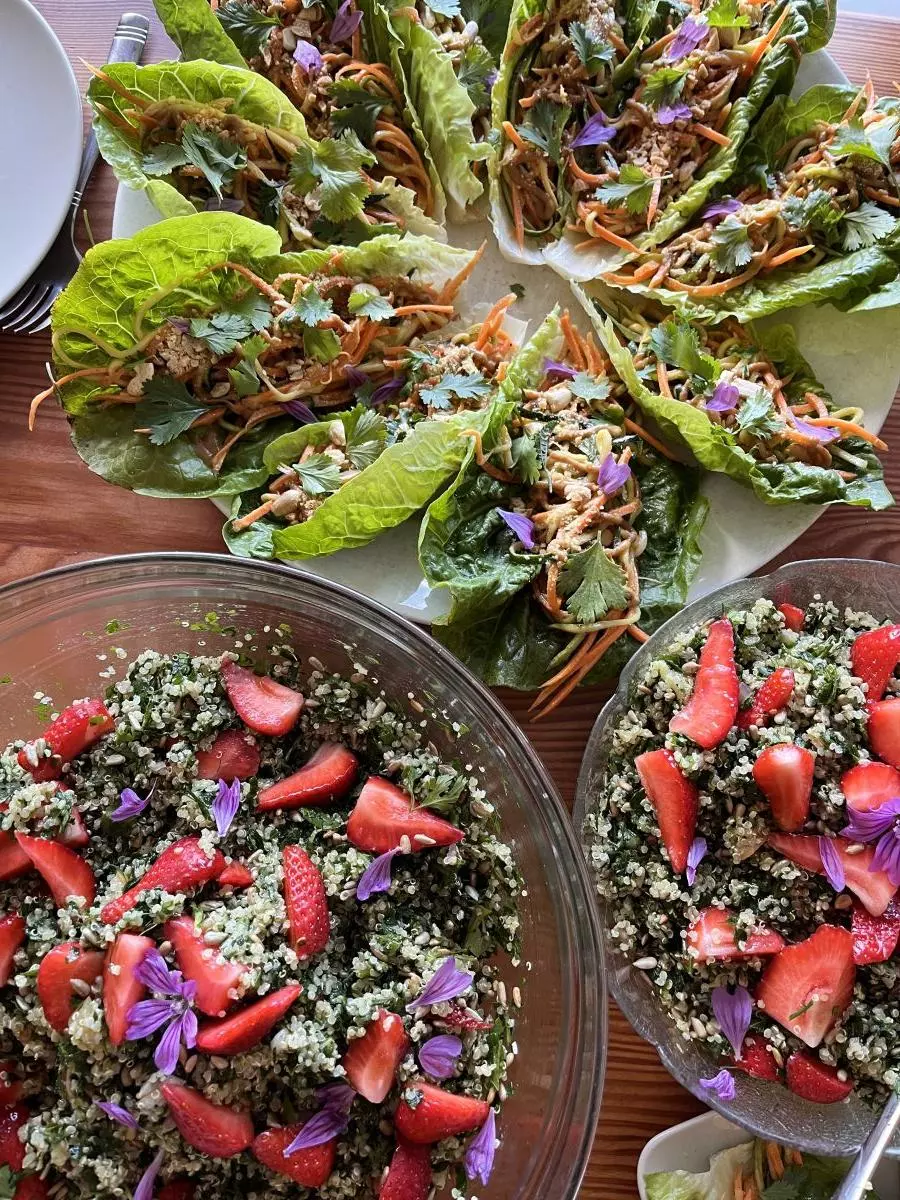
[[723, 14], [194, 28]]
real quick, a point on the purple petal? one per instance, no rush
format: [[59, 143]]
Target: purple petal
[[733, 1010], [376, 877], [721, 208], [339, 1096], [131, 805], [116, 1112], [146, 1017], [354, 376], [522, 526], [154, 974], [491, 78], [307, 58], [166, 1053], [870, 826], [724, 398], [596, 131], [479, 1158], [722, 1084], [887, 855], [223, 204], [612, 476], [386, 390], [822, 433], [446, 983], [325, 1125], [687, 39], [437, 1057], [226, 804], [189, 1028], [560, 369], [345, 23], [180, 323], [147, 1186], [695, 856], [667, 114], [831, 863], [301, 412]]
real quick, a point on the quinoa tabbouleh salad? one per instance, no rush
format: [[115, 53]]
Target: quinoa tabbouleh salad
[[248, 942], [746, 842]]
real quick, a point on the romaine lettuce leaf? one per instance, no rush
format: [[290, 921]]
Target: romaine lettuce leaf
[[194, 28], [421, 258], [713, 1184]]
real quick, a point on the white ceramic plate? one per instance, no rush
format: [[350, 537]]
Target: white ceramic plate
[[41, 140], [856, 356]]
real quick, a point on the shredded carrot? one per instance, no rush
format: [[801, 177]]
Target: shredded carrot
[[452, 286], [787, 256], [514, 136], [518, 218], [721, 139], [713, 289], [115, 119], [252, 517], [410, 310], [662, 376], [766, 40], [852, 110], [851, 428], [584, 176], [608, 236], [638, 634], [882, 197], [653, 206], [493, 320], [654, 48], [633, 427], [549, 700], [572, 341], [101, 374], [115, 86], [574, 662]]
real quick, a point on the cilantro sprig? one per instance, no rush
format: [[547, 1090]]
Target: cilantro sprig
[[462, 387], [678, 344], [356, 109], [544, 127], [166, 409], [246, 25], [593, 585], [633, 189], [215, 156], [732, 247], [593, 52], [334, 167]]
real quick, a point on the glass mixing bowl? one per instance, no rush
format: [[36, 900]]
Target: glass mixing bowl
[[53, 628], [765, 1109]]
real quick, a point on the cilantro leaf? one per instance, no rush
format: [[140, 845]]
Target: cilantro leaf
[[253, 348], [723, 14], [356, 108], [269, 201], [163, 159], [733, 250], [308, 309], [218, 159], [418, 361], [254, 309], [247, 27], [546, 122], [244, 379], [815, 211], [336, 166], [756, 416], [463, 387], [221, 332], [474, 70], [664, 86], [492, 19], [588, 387], [677, 343], [633, 189], [525, 458], [593, 52], [366, 436], [323, 345], [319, 475], [167, 409], [865, 226], [873, 142], [444, 8], [366, 301], [593, 584]]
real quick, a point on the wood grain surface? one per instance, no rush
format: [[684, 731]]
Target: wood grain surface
[[54, 511]]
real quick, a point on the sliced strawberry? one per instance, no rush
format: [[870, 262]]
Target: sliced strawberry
[[236, 876], [12, 1151], [757, 1059], [75, 729], [874, 938], [213, 1129], [459, 1018], [874, 888], [65, 872], [429, 1114], [248, 1027], [218, 980], [178, 1189], [874, 657], [773, 695], [233, 755], [383, 816], [813, 1080], [794, 617], [712, 935], [884, 730], [182, 867], [675, 800], [328, 776], [121, 990], [307, 905], [713, 706], [371, 1061], [868, 785], [310, 1168], [58, 968], [12, 935], [75, 833], [409, 1175], [14, 862], [261, 703], [11, 1087], [808, 986], [784, 775], [32, 1187]]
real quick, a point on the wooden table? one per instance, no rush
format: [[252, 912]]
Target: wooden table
[[54, 512]]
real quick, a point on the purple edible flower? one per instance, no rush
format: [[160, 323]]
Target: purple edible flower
[[130, 805], [831, 863], [612, 476], [881, 826], [479, 1160], [326, 1124], [687, 39], [722, 1084], [670, 113], [226, 804], [175, 1011], [339, 1096], [223, 204], [116, 1112], [491, 78], [522, 526], [724, 398], [345, 23], [733, 1010], [377, 876], [354, 376], [721, 208], [147, 1186], [386, 390], [301, 412], [439, 1054], [596, 131], [695, 856], [307, 58], [822, 433], [560, 369], [446, 983]]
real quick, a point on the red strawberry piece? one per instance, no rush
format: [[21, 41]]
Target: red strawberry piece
[[12, 1151], [675, 800], [248, 1027], [808, 986], [794, 617], [261, 703], [216, 978], [74, 731], [383, 816], [213, 1129], [784, 775], [59, 967], [757, 1059], [233, 755], [12, 935], [459, 1018], [13, 859], [813, 1080], [868, 785], [874, 888], [712, 936], [874, 657], [65, 872], [328, 776], [884, 730], [310, 1167], [773, 695], [713, 706], [371, 1061], [874, 938], [75, 833], [236, 875], [10, 1086], [307, 906], [429, 1114], [121, 990], [409, 1175], [182, 867], [178, 1189], [32, 1187]]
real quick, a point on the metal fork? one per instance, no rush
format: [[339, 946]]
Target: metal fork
[[28, 310]]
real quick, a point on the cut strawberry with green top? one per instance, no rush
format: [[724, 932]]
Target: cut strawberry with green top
[[409, 1174], [794, 617], [262, 704], [384, 815], [182, 867], [711, 711], [247, 1028], [58, 968], [813, 1080], [868, 785], [429, 1114], [75, 730], [328, 776], [875, 938], [757, 1059], [807, 987], [712, 936], [371, 1061], [874, 657], [675, 801], [121, 990], [65, 872], [307, 904], [884, 730], [775, 692], [12, 1150], [12, 935], [218, 980], [784, 775], [213, 1129], [233, 755], [874, 888], [236, 876], [310, 1167]]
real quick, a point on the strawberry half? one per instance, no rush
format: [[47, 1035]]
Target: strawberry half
[[371, 1061], [233, 755], [262, 704], [32, 1187], [216, 978], [236, 876], [813, 1080], [310, 1167], [675, 800], [874, 938], [874, 657], [14, 862], [307, 905], [775, 692], [784, 775], [58, 968], [247, 1028], [178, 1189], [868, 785], [182, 867], [884, 730], [384, 815], [713, 706], [808, 986], [712, 936], [213, 1129], [437, 1114], [12, 1151], [328, 776], [65, 872], [794, 617], [409, 1175], [874, 888], [121, 990], [12, 935], [75, 729], [757, 1059]]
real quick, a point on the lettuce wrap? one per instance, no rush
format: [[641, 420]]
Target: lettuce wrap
[[752, 1169]]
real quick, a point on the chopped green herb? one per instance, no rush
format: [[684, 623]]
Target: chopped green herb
[[593, 584], [633, 189], [546, 122], [865, 226], [319, 475], [323, 345], [463, 387], [246, 25], [366, 301], [217, 157], [733, 249], [357, 109], [166, 409], [593, 52]]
